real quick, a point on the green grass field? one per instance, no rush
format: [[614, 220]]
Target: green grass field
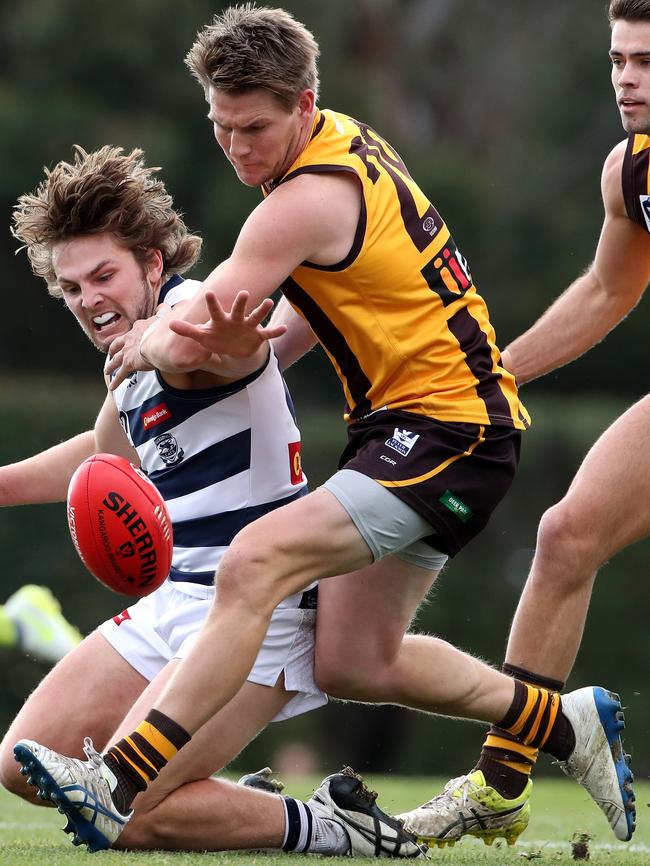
[[31, 836]]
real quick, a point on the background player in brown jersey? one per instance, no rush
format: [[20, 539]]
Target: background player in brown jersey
[[435, 422], [586, 528]]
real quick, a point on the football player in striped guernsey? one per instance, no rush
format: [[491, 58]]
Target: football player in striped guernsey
[[373, 273], [220, 440]]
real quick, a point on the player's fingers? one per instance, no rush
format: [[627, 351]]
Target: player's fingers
[[261, 311], [215, 310], [272, 332], [238, 309], [185, 329], [113, 362], [116, 345], [119, 376]]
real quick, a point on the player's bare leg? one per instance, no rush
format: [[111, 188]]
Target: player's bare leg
[[362, 653], [59, 713], [604, 511], [277, 555], [185, 809]]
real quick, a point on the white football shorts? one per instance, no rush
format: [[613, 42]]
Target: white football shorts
[[163, 626]]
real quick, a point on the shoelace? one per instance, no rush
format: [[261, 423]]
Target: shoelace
[[463, 783], [94, 758]]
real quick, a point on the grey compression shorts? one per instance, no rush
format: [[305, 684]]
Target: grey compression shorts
[[387, 525]]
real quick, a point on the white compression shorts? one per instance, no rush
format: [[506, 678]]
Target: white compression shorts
[[164, 625], [387, 525]]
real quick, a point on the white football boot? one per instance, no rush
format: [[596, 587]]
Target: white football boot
[[468, 806], [42, 629], [343, 798], [81, 790], [598, 761]]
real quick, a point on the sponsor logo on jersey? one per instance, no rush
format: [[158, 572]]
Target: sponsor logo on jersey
[[402, 441], [169, 449], [155, 416], [121, 617], [295, 463]]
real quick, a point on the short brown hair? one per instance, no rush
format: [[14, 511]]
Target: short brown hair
[[103, 191], [628, 10], [249, 47]]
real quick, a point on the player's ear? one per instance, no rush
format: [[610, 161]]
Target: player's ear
[[306, 102], [154, 266]]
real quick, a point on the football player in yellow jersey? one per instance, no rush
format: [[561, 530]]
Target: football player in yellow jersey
[[373, 273], [584, 530]]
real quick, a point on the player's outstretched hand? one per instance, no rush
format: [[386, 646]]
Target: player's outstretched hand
[[237, 334], [124, 355]]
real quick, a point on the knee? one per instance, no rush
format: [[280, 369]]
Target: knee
[[349, 673], [566, 552], [247, 577], [346, 684]]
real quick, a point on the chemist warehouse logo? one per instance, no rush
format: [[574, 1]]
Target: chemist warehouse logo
[[155, 416]]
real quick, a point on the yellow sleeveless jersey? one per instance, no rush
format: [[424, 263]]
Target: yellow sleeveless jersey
[[400, 317], [636, 179]]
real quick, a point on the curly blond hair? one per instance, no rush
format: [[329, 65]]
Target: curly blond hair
[[249, 46], [103, 191]]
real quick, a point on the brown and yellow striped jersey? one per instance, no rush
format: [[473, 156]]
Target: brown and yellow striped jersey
[[400, 316], [636, 179]]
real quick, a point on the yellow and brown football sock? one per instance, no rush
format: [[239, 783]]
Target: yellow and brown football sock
[[137, 759], [507, 759]]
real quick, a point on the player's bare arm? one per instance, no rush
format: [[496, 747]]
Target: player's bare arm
[[45, 476], [598, 300], [298, 338], [310, 218]]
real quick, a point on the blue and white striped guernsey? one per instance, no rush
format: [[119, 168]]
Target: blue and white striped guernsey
[[221, 457]]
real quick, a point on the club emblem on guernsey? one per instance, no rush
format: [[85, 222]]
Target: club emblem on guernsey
[[402, 441], [169, 449]]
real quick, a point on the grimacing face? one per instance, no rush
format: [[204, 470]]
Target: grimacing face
[[630, 56], [105, 287], [260, 138]]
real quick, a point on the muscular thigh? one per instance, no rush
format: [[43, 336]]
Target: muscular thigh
[[362, 616], [217, 743], [610, 494]]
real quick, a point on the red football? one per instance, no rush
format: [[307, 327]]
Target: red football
[[120, 525]]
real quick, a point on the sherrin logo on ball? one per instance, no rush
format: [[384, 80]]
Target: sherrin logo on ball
[[119, 525]]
